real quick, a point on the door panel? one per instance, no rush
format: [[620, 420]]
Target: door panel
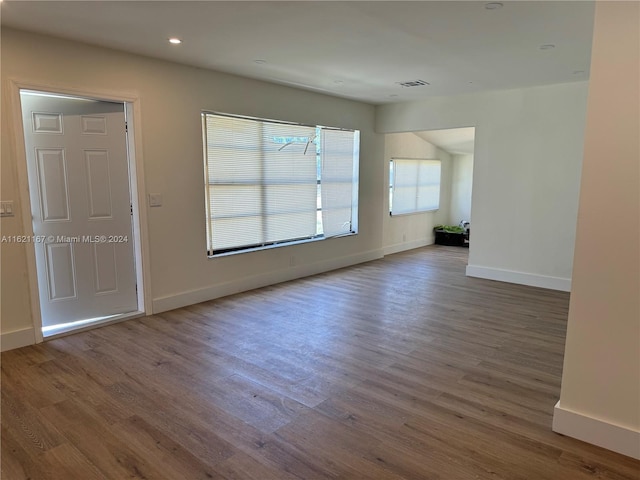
[[46, 122], [98, 183], [94, 125], [79, 187], [61, 271], [104, 258], [52, 183]]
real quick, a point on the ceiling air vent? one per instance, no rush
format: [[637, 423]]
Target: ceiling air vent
[[413, 83]]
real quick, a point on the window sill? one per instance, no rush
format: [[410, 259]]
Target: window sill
[[277, 245], [412, 213]]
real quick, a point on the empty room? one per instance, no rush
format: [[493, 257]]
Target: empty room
[[222, 236]]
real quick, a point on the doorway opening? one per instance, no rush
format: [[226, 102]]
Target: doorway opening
[[430, 179], [81, 192]]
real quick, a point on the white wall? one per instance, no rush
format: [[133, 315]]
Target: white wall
[[600, 399], [527, 160], [403, 232], [172, 97], [461, 188]]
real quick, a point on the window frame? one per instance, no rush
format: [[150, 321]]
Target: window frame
[[354, 182], [392, 185]]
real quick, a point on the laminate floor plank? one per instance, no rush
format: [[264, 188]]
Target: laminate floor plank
[[29, 426], [244, 467], [66, 461], [345, 454], [18, 462], [175, 460], [99, 443], [402, 368]]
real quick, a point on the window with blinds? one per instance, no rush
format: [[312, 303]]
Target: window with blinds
[[414, 185], [270, 183]]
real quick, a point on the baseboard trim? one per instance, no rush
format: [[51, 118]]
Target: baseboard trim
[[597, 432], [522, 278], [401, 247], [191, 297], [17, 339]]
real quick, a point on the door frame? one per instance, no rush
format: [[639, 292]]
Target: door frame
[[139, 221]]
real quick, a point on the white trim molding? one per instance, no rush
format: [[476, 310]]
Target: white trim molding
[[191, 297], [17, 339], [616, 438], [401, 247], [522, 278]]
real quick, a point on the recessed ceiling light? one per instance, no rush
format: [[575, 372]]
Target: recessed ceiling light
[[493, 5], [175, 41], [547, 46], [393, 95], [578, 72], [260, 62], [338, 82]]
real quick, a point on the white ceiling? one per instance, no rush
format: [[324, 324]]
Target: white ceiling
[[452, 140], [357, 49]]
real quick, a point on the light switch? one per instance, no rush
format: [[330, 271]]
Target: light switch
[[155, 200], [6, 208]]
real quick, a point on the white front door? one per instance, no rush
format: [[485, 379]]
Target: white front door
[[78, 172]]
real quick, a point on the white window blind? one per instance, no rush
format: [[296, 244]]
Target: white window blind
[[266, 182], [339, 187], [415, 185]]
